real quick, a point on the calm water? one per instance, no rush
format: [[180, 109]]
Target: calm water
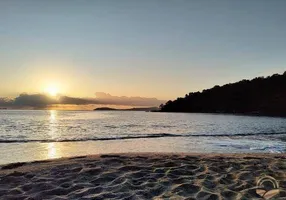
[[129, 130]]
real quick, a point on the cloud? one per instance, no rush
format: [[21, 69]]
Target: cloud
[[77, 101], [34, 100], [5, 101], [105, 98], [43, 100]]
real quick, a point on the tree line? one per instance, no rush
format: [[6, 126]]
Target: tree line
[[259, 96]]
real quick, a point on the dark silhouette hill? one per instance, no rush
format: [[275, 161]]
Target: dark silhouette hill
[[259, 96]]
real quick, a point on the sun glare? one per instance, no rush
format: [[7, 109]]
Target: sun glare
[[52, 90]]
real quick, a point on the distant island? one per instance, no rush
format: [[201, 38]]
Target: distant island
[[130, 109], [259, 96]]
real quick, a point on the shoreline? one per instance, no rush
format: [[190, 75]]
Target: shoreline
[[283, 116], [147, 154], [27, 152], [143, 175]]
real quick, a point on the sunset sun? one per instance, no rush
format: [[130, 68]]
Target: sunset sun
[[52, 90]]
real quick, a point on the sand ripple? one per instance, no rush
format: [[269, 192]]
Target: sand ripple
[[146, 176]]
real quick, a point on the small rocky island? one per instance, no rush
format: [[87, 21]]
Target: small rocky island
[[129, 109]]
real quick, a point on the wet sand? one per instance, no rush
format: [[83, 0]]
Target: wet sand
[[143, 176]]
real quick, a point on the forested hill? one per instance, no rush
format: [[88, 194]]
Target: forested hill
[[261, 96]]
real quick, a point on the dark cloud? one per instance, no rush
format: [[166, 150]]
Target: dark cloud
[[5, 101], [77, 101], [42, 100], [34, 100]]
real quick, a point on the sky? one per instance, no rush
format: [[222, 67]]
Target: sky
[[153, 48]]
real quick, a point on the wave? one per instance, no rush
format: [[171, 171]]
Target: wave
[[160, 135]]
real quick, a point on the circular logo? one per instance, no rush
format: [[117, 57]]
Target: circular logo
[[267, 187]]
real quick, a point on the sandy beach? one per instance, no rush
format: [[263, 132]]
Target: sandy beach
[[143, 176]]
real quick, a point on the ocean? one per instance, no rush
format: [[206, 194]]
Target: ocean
[[27, 135]]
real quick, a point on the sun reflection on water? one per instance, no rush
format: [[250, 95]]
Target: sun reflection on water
[[52, 150], [53, 115], [53, 124]]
